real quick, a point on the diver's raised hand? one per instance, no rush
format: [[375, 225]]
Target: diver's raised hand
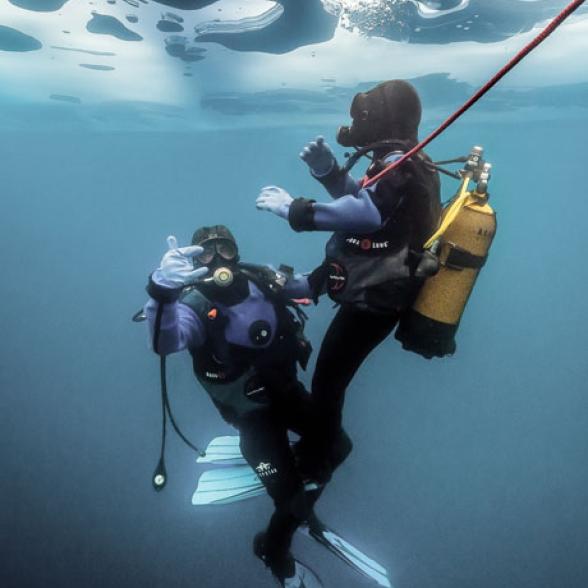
[[274, 199], [177, 267], [319, 157]]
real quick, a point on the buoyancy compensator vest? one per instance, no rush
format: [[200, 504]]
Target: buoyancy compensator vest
[[461, 243], [236, 386], [241, 380], [376, 272]]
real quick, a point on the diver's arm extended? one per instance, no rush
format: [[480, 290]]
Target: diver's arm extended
[[293, 285], [173, 325], [356, 214], [323, 166], [180, 326], [297, 286], [348, 213], [338, 182], [364, 212]]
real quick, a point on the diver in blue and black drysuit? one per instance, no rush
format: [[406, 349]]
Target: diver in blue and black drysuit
[[374, 264], [235, 319]]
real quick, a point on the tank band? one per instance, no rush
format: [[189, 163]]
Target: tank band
[[461, 259]]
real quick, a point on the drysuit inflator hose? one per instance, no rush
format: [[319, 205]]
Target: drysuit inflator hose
[[160, 475]]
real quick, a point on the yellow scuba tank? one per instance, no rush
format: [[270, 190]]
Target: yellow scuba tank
[[461, 244]]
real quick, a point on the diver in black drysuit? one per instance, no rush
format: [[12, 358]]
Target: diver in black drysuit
[[234, 320], [374, 264]]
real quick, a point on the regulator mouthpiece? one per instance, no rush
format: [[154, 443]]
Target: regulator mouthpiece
[[344, 137], [223, 277]]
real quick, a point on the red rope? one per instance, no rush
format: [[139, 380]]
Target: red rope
[[572, 7]]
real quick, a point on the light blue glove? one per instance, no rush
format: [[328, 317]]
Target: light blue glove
[[274, 199], [176, 269], [319, 157]]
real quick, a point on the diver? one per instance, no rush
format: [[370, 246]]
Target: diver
[[246, 339], [375, 263]]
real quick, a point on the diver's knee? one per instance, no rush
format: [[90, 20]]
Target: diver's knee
[[298, 504], [342, 447]]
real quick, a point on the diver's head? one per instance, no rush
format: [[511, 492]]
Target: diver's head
[[220, 253], [390, 111]]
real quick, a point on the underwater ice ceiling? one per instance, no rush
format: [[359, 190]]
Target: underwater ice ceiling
[[443, 21], [39, 5], [13, 40], [182, 52]]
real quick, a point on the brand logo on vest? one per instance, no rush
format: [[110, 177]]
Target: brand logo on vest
[[265, 469], [367, 244], [215, 375], [337, 277]]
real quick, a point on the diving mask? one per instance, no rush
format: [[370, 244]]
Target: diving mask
[[225, 249]]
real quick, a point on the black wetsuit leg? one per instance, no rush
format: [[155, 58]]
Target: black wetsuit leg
[[294, 408], [350, 338], [290, 401], [266, 447]]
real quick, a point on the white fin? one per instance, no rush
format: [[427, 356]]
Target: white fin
[[226, 485], [223, 451]]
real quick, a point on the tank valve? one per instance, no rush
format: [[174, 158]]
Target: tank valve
[[475, 159], [484, 178]]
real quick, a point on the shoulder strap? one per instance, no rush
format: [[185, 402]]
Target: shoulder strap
[[271, 283]]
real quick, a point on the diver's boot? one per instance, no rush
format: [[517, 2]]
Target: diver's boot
[[282, 566], [289, 572]]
